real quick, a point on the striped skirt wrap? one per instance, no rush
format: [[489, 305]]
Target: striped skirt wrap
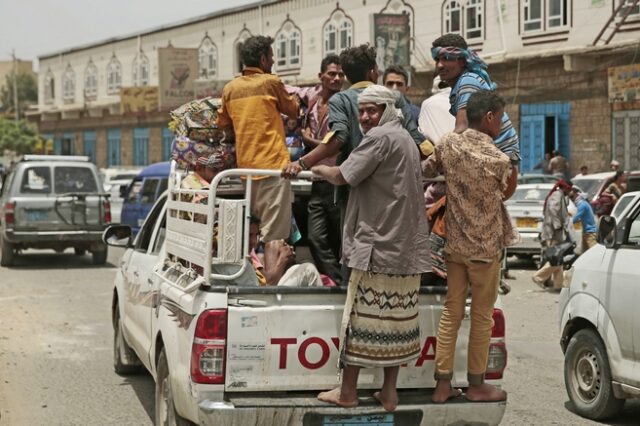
[[380, 321]]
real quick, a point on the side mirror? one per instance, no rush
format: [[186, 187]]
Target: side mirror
[[118, 236], [607, 234]]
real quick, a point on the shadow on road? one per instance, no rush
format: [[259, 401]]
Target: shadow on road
[[628, 416], [50, 260], [144, 388]]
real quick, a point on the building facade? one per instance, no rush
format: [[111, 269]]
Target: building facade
[[554, 61]]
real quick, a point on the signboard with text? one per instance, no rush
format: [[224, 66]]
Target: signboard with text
[[139, 99], [392, 35], [624, 83], [177, 70]]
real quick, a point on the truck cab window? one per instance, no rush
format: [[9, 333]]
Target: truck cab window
[[36, 180], [143, 240]]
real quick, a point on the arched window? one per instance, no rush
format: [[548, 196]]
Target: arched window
[[69, 85], [453, 17], [288, 52], [337, 33], [49, 87], [91, 81], [114, 76], [244, 34], [464, 17], [141, 70], [207, 59]]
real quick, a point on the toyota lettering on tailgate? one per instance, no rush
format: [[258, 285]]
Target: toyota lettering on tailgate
[[428, 352]]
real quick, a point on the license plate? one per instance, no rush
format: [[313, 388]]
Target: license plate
[[36, 215], [526, 222], [385, 419]]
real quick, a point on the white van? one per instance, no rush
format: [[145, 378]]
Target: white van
[[600, 319]]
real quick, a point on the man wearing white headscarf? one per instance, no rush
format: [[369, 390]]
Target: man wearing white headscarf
[[385, 244]]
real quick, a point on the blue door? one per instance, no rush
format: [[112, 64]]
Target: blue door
[[89, 141], [167, 138], [544, 128], [113, 147], [140, 146]]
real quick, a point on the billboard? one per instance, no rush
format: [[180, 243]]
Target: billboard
[[624, 83], [139, 99], [177, 70], [392, 36]]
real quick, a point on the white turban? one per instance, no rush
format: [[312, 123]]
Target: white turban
[[380, 95]]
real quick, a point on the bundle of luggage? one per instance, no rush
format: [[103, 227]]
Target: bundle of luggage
[[197, 138]]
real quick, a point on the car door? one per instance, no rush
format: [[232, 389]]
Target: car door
[[621, 294], [140, 282]]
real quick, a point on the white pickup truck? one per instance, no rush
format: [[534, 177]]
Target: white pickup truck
[[223, 354]]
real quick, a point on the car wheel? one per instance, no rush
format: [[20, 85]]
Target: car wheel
[[100, 257], [79, 251], [587, 377], [166, 414], [8, 255], [125, 360]]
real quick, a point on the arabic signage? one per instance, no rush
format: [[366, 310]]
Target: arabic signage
[[624, 83], [138, 100], [177, 70], [391, 33]]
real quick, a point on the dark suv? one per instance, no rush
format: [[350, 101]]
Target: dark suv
[[53, 202]]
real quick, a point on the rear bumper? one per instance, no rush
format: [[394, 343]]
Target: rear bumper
[[529, 244], [41, 237], [308, 411]]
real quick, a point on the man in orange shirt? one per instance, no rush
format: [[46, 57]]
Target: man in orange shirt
[[252, 105]]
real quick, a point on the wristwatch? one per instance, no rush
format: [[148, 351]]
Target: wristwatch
[[303, 165]]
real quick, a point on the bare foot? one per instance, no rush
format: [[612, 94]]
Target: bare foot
[[485, 393], [444, 392], [334, 397], [389, 402]]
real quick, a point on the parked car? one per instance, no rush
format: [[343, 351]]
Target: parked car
[[526, 208], [595, 183], [599, 318], [142, 193], [53, 202], [113, 176], [526, 178]]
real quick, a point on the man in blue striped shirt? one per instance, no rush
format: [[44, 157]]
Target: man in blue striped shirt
[[586, 216], [462, 69]]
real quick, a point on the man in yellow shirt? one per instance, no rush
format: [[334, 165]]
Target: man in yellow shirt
[[252, 105]]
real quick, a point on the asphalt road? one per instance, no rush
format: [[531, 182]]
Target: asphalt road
[[56, 350]]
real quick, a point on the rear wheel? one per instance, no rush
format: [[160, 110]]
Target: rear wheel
[[100, 257], [587, 377], [125, 360], [79, 251], [166, 414], [8, 255]]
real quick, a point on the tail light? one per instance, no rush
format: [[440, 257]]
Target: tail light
[[106, 208], [9, 213], [497, 349], [209, 350]]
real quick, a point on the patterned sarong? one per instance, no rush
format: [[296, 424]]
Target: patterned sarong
[[380, 320]]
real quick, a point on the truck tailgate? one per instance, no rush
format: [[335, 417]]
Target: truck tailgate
[[287, 340]]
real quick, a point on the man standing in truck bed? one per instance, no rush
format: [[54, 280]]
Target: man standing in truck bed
[[251, 106]]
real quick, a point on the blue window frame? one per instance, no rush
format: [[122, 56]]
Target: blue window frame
[[167, 138], [140, 146], [544, 128], [113, 147], [68, 144], [89, 145]]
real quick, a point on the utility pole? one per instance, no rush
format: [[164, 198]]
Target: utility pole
[[15, 85]]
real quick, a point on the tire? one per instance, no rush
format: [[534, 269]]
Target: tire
[[100, 257], [79, 251], [587, 377], [166, 414], [125, 360], [7, 256]]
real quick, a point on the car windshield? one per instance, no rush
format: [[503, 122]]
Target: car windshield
[[588, 185], [529, 195], [74, 179]]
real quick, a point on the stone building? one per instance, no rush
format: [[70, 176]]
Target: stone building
[[568, 69]]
